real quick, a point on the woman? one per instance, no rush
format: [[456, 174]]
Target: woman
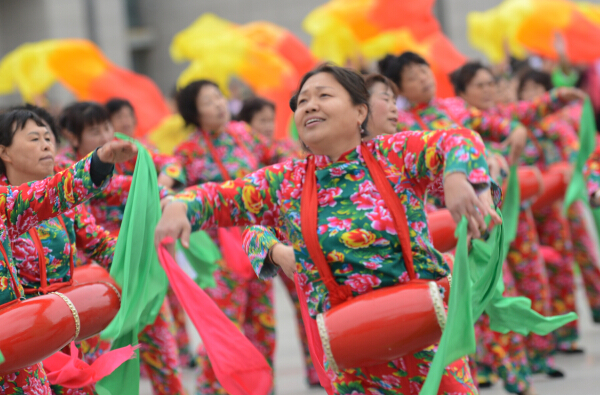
[[220, 150], [86, 124], [42, 200], [475, 84], [54, 242], [330, 112]]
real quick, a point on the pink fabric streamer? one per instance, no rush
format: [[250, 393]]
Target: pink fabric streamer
[[240, 368], [314, 340], [550, 254], [234, 255], [71, 372]]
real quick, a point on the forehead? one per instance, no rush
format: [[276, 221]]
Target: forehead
[[208, 91], [379, 87], [483, 74], [319, 81], [31, 126], [413, 67]]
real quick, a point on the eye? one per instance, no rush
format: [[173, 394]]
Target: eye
[[301, 101], [325, 95]]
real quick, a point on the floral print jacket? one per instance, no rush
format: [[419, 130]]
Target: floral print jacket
[[26, 206], [60, 244], [354, 226]]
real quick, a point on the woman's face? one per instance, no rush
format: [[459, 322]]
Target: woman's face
[[532, 90], [95, 136], [327, 120], [418, 83], [124, 121], [212, 108], [384, 113], [480, 92], [31, 153], [263, 121], [506, 91]]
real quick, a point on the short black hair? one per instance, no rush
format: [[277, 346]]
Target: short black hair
[[373, 78], [44, 115], [463, 76], [393, 66], [352, 82], [539, 77], [186, 101], [116, 104], [77, 116], [11, 122], [252, 106]]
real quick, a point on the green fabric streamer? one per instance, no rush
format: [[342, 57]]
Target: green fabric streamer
[[458, 338], [587, 142], [559, 78], [1, 357], [202, 256], [511, 207], [136, 268], [293, 130]]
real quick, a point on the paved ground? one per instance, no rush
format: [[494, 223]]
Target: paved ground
[[583, 371]]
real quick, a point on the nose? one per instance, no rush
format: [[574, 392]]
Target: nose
[[311, 106]]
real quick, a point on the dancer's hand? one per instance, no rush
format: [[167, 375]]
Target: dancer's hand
[[284, 257], [165, 181], [595, 199], [117, 151], [174, 223], [461, 200], [567, 94], [516, 141], [498, 166]]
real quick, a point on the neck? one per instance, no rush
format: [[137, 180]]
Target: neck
[[214, 131], [335, 150], [17, 178]]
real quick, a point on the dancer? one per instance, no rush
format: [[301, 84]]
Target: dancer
[[52, 246], [330, 111], [220, 150], [88, 123], [40, 201]]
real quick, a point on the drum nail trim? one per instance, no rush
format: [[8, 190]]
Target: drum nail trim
[[449, 281], [438, 304], [114, 289], [325, 340], [73, 311]]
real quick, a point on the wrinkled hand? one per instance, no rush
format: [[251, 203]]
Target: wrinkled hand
[[570, 94], [498, 166], [174, 223], [117, 151], [516, 141], [461, 200], [164, 202], [284, 257]]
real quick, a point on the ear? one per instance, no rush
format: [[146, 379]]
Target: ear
[[363, 111], [73, 140], [4, 155]]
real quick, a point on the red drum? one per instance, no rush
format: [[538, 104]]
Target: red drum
[[555, 182], [383, 325], [442, 227], [92, 273], [36, 328], [530, 181]]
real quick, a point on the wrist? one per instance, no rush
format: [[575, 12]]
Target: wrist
[[270, 254]]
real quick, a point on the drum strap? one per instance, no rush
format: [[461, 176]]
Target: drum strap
[[309, 212], [44, 287]]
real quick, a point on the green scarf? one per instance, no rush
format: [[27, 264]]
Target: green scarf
[[202, 257], [1, 357], [136, 268]]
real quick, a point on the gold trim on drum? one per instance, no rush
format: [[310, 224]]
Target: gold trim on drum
[[114, 289], [73, 311], [325, 340], [438, 304], [449, 280]]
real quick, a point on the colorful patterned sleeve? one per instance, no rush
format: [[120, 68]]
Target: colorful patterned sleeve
[[562, 134], [95, 242], [168, 165], [427, 156], [530, 112], [25, 206], [257, 241], [191, 157], [491, 127], [252, 200], [592, 172]]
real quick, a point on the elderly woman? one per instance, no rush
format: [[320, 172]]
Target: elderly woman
[[357, 236]]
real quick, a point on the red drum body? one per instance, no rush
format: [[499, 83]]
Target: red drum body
[[382, 325], [530, 182], [442, 227], [31, 330], [92, 273], [555, 182]]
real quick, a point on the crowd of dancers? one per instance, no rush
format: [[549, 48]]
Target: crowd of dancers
[[67, 180]]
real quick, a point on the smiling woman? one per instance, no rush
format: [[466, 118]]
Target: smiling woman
[[331, 206]]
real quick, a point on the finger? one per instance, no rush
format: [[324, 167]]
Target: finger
[[473, 228], [185, 235]]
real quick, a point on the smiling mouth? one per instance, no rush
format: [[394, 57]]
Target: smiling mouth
[[313, 121], [46, 158]]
